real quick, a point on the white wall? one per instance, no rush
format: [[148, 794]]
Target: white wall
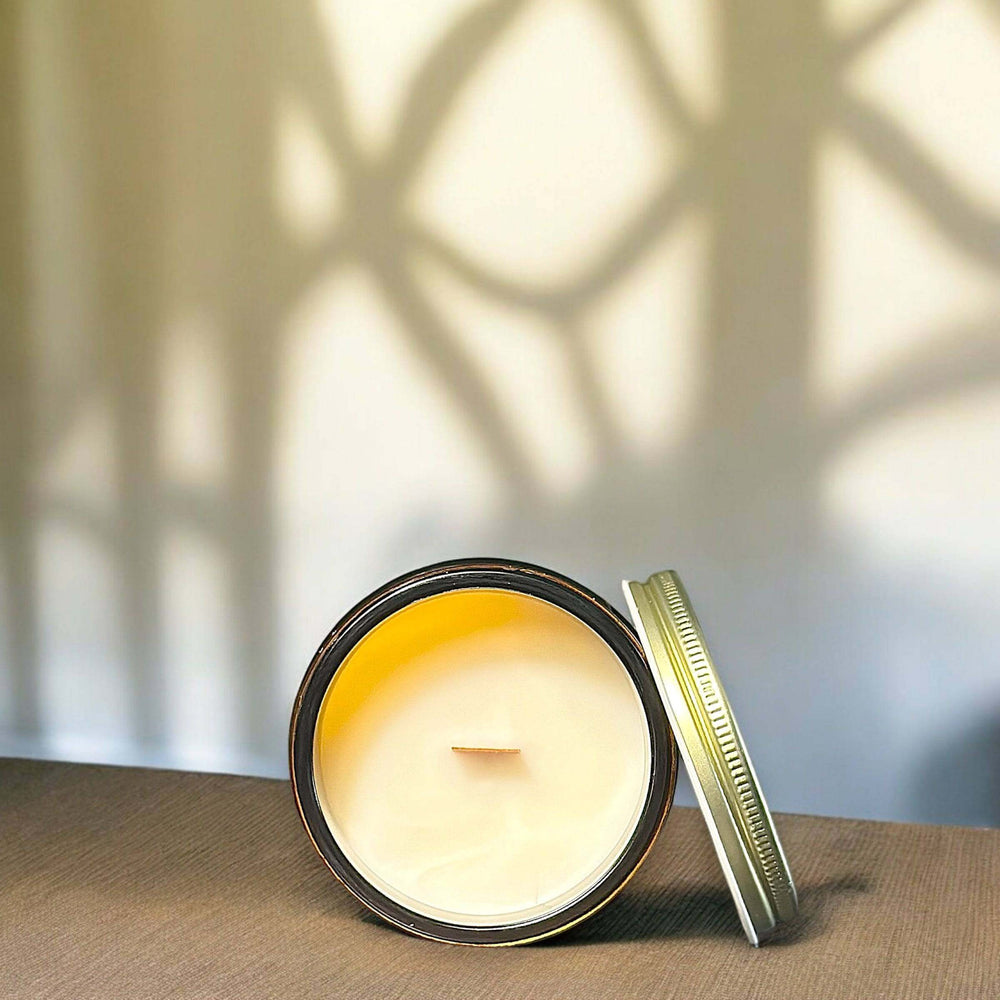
[[302, 296]]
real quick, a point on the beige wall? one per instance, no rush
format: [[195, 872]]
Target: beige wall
[[298, 296]]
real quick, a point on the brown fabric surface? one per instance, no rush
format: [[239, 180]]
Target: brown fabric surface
[[129, 883]]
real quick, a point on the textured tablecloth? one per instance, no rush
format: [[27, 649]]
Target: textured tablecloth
[[117, 882]]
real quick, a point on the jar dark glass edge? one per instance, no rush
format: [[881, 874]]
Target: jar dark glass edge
[[465, 574]]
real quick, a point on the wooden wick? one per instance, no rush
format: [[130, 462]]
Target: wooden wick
[[486, 749]]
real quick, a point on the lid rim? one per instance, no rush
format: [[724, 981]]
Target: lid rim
[[714, 754]]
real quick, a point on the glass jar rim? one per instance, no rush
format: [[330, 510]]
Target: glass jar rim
[[468, 574]]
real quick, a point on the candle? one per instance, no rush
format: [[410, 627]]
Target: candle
[[482, 755], [486, 763]]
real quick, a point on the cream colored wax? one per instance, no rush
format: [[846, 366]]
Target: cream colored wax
[[468, 835]]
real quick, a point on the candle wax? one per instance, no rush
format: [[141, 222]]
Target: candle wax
[[482, 757]]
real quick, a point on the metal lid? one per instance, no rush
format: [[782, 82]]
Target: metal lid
[[717, 761]]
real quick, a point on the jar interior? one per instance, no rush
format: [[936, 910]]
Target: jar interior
[[482, 757]]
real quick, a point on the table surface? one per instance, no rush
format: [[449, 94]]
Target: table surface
[[118, 882]]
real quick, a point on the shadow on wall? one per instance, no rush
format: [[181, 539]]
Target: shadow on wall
[[163, 163], [958, 781]]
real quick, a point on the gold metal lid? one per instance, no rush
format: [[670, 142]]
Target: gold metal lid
[[713, 750]]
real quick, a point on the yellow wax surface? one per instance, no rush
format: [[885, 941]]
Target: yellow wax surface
[[466, 835]]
